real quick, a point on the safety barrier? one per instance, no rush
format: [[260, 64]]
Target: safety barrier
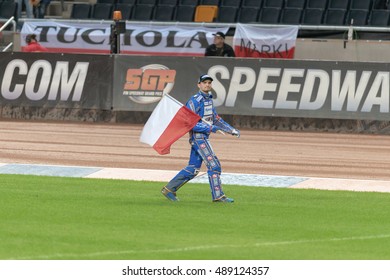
[[261, 94]]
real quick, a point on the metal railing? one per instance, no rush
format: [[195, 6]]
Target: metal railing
[[230, 25], [8, 47], [10, 21]]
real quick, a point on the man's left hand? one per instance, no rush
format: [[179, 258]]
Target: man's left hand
[[236, 133]]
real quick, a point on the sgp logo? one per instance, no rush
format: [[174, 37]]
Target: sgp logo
[[149, 83]]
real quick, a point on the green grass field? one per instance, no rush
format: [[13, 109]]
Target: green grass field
[[71, 218]]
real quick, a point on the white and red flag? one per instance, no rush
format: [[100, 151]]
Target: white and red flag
[[169, 121], [265, 42]]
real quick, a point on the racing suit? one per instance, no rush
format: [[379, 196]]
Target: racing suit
[[201, 150]]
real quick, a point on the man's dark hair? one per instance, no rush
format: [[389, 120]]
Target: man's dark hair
[[30, 37]]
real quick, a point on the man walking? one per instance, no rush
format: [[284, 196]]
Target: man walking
[[201, 151]]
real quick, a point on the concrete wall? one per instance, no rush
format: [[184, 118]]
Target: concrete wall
[[241, 122], [340, 50]]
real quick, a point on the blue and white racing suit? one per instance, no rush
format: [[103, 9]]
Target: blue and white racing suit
[[201, 150]]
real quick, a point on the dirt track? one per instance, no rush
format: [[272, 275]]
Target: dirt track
[[259, 152]]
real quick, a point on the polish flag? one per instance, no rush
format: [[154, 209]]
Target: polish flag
[[169, 121], [265, 42]]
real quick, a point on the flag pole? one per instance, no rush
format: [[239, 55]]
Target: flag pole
[[173, 99]]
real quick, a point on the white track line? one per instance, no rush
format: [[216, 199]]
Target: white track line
[[197, 248], [307, 183], [344, 185]]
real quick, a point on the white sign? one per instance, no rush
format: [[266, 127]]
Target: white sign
[[146, 39]]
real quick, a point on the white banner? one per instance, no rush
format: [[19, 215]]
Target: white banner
[[147, 39], [278, 42]]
